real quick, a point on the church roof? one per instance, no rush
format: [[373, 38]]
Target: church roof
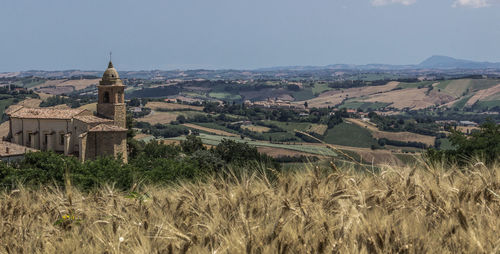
[[107, 128], [46, 113], [93, 119], [10, 149]]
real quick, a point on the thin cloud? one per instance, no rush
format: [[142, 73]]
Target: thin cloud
[[387, 2], [472, 3]]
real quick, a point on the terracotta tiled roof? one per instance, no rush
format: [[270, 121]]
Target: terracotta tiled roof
[[11, 149], [107, 127], [93, 119], [46, 113]]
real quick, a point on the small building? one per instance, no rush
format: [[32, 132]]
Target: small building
[[10, 152], [468, 123]]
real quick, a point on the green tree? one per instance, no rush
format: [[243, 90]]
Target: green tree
[[192, 144], [484, 144]]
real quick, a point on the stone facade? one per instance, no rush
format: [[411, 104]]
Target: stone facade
[[76, 131], [98, 143]]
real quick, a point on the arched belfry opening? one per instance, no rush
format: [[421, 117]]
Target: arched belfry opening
[[105, 97]]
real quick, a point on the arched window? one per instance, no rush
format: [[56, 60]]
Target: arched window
[[105, 98]]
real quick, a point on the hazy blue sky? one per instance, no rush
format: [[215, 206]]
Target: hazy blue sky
[[180, 34]]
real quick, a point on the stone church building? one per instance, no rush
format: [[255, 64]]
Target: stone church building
[[77, 131]]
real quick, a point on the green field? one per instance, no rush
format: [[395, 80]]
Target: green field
[[349, 135], [461, 103], [486, 105], [303, 94], [313, 149], [225, 96], [460, 87], [320, 87]]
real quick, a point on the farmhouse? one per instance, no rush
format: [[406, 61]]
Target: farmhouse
[[77, 131]]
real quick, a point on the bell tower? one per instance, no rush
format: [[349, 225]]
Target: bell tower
[[111, 97]]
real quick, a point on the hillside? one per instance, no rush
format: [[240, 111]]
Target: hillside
[[399, 210]]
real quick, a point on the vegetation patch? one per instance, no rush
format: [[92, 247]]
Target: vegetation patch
[[348, 134]]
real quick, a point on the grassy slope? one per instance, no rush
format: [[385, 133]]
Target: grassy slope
[[304, 94], [349, 135], [401, 210]]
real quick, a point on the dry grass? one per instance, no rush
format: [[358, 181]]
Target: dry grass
[[399, 210], [318, 128], [413, 98], [256, 128]]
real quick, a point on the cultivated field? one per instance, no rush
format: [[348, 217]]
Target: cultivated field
[[413, 98], [398, 210], [210, 130], [398, 136], [482, 95], [55, 87], [155, 105], [255, 128], [158, 117], [335, 97]]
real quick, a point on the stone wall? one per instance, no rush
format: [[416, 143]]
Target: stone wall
[[120, 116], [103, 143]]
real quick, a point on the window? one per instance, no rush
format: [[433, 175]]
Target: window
[[105, 98], [46, 141], [29, 138], [61, 139]]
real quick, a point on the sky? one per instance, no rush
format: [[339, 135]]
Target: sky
[[242, 34]]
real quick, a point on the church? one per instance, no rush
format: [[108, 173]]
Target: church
[[77, 132]]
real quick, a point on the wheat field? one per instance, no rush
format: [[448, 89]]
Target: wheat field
[[417, 209]]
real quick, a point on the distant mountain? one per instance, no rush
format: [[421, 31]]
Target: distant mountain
[[431, 64], [446, 62]]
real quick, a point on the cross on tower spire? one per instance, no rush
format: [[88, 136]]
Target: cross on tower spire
[[110, 65]]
